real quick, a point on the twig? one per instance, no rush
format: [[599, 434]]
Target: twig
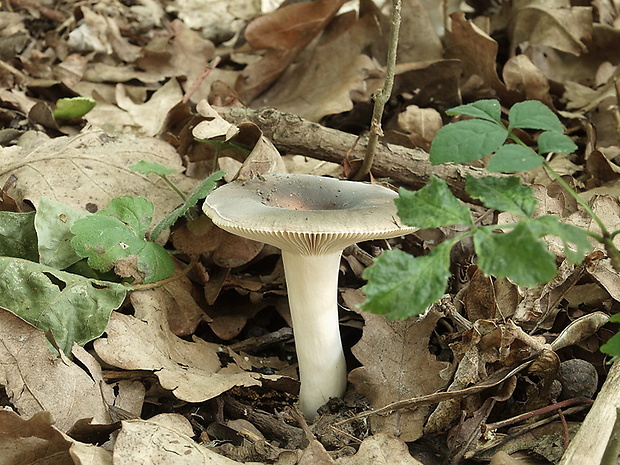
[[383, 95], [540, 411]]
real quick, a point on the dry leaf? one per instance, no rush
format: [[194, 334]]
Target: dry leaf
[[191, 370], [31, 441], [285, 33], [381, 449], [88, 170], [553, 23], [153, 442], [397, 365], [32, 376]]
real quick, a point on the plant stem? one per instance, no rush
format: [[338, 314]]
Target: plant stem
[[173, 187], [577, 197], [383, 95]]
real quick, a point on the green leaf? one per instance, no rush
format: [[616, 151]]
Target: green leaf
[[53, 221], [18, 237], [432, 206], [135, 212], [115, 238], [70, 108], [489, 109], [504, 194], [551, 141], [513, 158], [519, 254], [533, 114], [569, 234], [402, 286], [151, 167], [74, 308], [466, 141], [201, 192], [612, 346]]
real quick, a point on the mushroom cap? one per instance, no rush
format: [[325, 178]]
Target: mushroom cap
[[305, 214]]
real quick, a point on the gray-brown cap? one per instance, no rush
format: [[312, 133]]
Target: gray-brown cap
[[304, 213]]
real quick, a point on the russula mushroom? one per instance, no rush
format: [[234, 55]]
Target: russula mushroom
[[311, 219]]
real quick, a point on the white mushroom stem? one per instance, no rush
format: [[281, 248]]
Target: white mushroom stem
[[312, 284]]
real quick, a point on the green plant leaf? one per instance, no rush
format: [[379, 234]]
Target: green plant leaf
[[75, 107], [466, 141], [519, 254], [612, 346], [151, 167], [18, 237], [402, 286], [53, 221], [513, 158], [200, 192], [114, 238], [432, 206], [569, 234], [73, 308], [505, 194], [551, 141], [135, 212], [488, 109], [532, 114]]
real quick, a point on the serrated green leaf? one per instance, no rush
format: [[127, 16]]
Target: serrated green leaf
[[532, 114], [135, 212], [53, 221], [151, 167], [505, 194], [488, 109], [201, 192], [432, 206], [551, 141], [519, 254], [74, 107], [466, 141], [402, 286], [513, 158], [18, 237], [74, 308], [569, 234]]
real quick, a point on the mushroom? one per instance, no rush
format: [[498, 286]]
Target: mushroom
[[311, 219]]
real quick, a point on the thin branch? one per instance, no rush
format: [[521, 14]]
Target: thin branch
[[383, 95]]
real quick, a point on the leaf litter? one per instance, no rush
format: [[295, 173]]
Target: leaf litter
[[184, 364]]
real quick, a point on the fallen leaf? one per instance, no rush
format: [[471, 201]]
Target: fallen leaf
[[88, 170], [32, 375], [285, 33], [381, 449], [30, 441], [191, 370], [155, 441], [554, 23], [397, 365]]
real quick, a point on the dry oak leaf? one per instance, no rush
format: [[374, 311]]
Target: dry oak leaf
[[191, 370], [163, 442], [553, 23], [37, 380], [397, 365], [90, 169], [284, 33], [35, 440], [381, 449], [334, 75]]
